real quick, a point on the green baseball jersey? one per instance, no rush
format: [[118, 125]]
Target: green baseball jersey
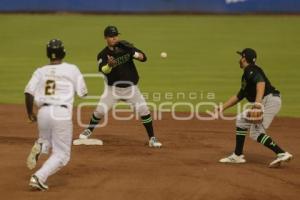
[[252, 75]]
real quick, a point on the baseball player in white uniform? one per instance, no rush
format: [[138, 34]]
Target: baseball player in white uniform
[[52, 88]]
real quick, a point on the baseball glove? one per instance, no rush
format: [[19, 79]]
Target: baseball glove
[[255, 114]]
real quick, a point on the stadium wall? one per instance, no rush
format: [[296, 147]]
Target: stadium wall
[[152, 6]]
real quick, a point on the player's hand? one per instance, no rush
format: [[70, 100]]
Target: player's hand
[[32, 118], [138, 56], [111, 61], [218, 111]]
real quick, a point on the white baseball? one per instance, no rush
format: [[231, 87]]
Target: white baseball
[[163, 54]]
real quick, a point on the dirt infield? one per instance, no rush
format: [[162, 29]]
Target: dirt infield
[[125, 168]]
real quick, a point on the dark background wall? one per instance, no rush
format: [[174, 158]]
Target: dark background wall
[[139, 6]]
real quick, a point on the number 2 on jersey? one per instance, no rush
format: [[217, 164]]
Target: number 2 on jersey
[[50, 87]]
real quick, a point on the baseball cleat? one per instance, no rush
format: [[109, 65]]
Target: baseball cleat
[[36, 184], [34, 155], [153, 142], [233, 158], [281, 157], [85, 134]]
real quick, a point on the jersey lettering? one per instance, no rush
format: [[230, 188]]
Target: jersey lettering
[[123, 59]]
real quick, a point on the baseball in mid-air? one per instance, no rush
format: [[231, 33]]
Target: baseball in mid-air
[[163, 54]]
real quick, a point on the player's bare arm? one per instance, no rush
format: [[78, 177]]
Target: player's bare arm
[[229, 103], [260, 90], [29, 107]]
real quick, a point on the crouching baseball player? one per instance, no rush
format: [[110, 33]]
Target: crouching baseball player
[[52, 88], [116, 62], [266, 100]]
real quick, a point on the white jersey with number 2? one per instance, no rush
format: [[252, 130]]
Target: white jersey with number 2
[[53, 88], [56, 84]]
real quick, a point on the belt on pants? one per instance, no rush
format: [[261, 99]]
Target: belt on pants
[[47, 104], [276, 94]]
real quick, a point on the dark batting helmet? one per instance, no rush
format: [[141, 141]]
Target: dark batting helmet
[[55, 49]]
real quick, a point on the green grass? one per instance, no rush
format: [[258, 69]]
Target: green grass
[[201, 51]]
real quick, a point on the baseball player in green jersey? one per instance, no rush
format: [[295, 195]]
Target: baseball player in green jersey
[[257, 89], [116, 62]]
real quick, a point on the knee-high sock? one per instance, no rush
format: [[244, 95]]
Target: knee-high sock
[[269, 143], [93, 122], [147, 121], [239, 140]]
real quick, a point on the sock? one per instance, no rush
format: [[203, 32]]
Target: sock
[[239, 140], [93, 122], [268, 142], [147, 121]]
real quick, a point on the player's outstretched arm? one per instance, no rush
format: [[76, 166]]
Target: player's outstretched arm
[[229, 103], [135, 52]]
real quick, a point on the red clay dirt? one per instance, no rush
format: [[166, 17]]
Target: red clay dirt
[[125, 168]]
